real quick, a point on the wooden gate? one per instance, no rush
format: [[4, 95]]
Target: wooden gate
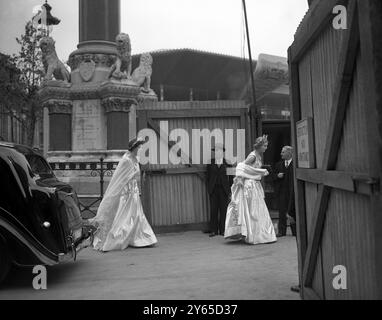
[[336, 88], [175, 196]]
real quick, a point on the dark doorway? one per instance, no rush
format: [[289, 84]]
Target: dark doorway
[[279, 135]]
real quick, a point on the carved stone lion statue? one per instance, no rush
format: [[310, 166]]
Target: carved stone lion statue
[[121, 69], [52, 65], [142, 75]]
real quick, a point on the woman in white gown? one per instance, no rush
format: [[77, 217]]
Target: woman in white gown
[[120, 219], [247, 214]]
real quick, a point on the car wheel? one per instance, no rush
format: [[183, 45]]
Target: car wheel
[[5, 259]]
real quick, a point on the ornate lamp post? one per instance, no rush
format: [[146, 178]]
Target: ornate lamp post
[[45, 19]]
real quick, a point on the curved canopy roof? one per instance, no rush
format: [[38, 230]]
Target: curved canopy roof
[[206, 73]]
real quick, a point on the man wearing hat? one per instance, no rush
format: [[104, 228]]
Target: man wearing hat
[[219, 189]]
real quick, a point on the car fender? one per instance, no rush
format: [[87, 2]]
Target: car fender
[[19, 236]]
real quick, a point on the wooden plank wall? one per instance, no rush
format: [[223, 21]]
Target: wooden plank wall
[[350, 236], [179, 198], [349, 224], [185, 184], [370, 15]]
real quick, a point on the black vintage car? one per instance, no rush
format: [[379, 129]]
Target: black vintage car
[[40, 223]]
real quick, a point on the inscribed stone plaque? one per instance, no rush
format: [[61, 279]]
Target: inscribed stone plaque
[[89, 125]]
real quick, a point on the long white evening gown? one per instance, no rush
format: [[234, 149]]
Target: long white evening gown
[[120, 216], [247, 214]]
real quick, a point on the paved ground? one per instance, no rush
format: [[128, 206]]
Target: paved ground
[[182, 266]]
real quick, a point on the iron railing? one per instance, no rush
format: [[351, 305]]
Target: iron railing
[[100, 168]]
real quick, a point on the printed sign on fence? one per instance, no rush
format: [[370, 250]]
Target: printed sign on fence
[[305, 144]]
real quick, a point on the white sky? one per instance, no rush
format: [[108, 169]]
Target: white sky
[[208, 25]]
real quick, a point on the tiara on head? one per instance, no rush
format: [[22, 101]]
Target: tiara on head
[[260, 141]]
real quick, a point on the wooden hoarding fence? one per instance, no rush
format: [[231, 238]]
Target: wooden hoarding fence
[[355, 54]]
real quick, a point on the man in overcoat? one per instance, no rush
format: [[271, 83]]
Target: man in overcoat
[[219, 189], [283, 182]]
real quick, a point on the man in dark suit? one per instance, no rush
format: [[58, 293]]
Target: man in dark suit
[[219, 189], [283, 180]]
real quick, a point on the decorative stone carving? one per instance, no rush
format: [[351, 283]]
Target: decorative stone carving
[[100, 60], [52, 65], [87, 69], [121, 69], [117, 104], [142, 75], [87, 91], [59, 107], [74, 61], [50, 90], [144, 98], [118, 89]]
